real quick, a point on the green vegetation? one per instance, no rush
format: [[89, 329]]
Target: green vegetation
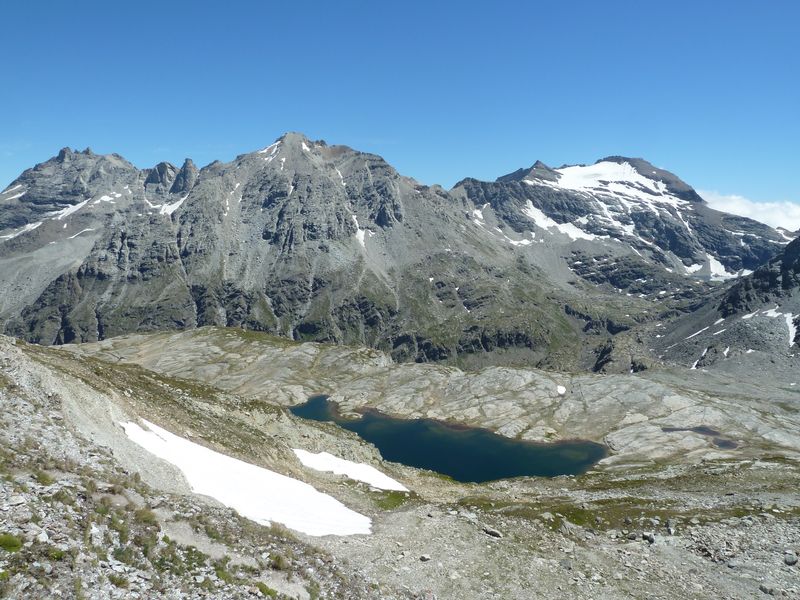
[[10, 543], [64, 497], [118, 580], [43, 477], [279, 562], [179, 560], [266, 590], [221, 570], [313, 590], [145, 516], [124, 554], [391, 499]]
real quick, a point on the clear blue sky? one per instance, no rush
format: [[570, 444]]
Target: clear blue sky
[[443, 90]]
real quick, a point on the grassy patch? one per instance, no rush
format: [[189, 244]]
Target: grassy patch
[[391, 500], [145, 516], [10, 543], [266, 590], [279, 562], [64, 497], [118, 580], [43, 478]]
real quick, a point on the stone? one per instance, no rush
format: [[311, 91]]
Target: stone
[[790, 559], [649, 537], [492, 532], [567, 528], [425, 557]]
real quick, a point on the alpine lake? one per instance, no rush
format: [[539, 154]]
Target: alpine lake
[[465, 454]]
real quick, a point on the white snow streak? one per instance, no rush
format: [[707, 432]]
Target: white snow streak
[[271, 148], [254, 492], [11, 189], [69, 210], [25, 229], [698, 332], [80, 232], [323, 461]]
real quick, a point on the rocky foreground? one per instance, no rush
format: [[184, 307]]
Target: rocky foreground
[[88, 514]]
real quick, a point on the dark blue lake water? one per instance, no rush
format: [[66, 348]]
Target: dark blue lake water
[[465, 454]]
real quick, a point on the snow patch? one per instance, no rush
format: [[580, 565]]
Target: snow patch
[[168, 209], [545, 222], [693, 268], [561, 390], [792, 328], [323, 461], [718, 270], [254, 492], [25, 229], [360, 233]]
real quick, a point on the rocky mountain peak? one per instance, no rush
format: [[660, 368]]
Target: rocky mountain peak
[[185, 178], [539, 170], [162, 175]]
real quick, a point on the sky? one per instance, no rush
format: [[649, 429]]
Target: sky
[[442, 90]]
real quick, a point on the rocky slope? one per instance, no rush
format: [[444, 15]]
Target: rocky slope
[[319, 242], [749, 327], [89, 514]]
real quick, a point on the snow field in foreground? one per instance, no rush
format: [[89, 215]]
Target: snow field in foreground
[[254, 492], [323, 461]]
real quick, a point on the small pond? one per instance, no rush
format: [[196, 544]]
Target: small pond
[[718, 439], [466, 454]]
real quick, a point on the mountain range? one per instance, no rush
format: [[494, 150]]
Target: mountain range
[[558, 268]]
